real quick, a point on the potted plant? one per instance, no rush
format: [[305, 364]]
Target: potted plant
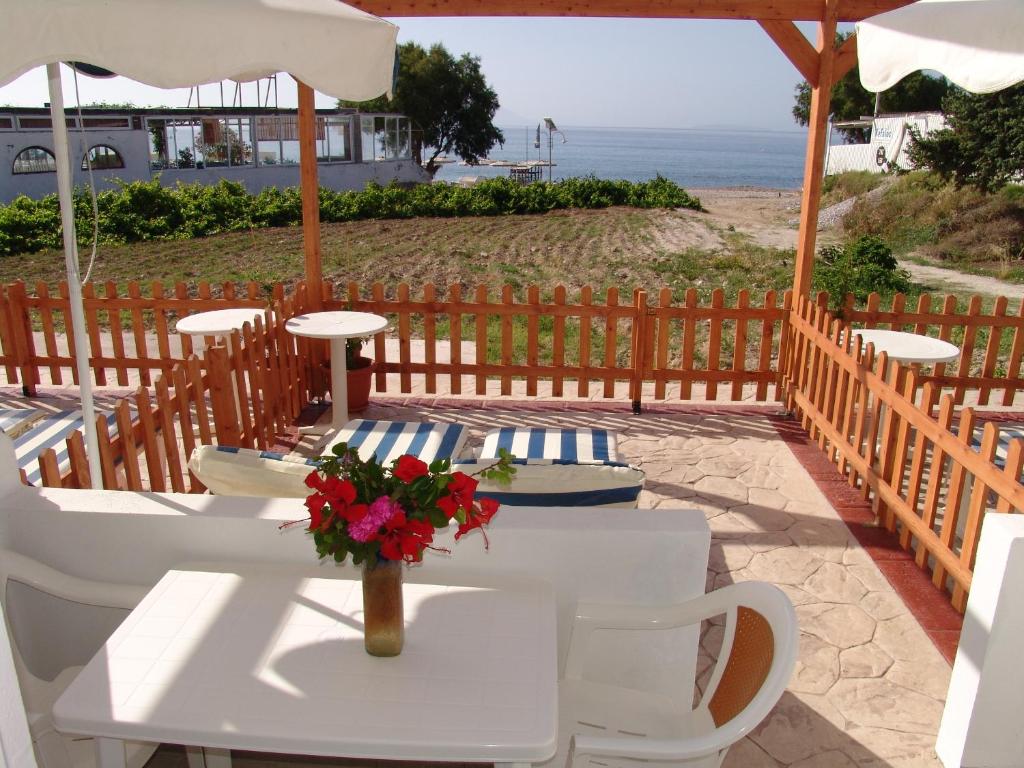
[[384, 516], [360, 374]]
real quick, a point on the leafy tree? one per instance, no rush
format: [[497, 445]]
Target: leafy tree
[[862, 267], [983, 143], [448, 100], [914, 93]]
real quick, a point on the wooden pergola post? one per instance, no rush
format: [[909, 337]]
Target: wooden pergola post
[[310, 187], [814, 158]]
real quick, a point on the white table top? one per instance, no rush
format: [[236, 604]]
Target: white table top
[[218, 322], [909, 347], [272, 659], [336, 325]]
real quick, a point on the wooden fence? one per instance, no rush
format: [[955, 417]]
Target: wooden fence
[[927, 480], [243, 394]]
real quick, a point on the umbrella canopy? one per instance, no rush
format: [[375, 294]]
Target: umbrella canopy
[[978, 44], [332, 47], [325, 44]]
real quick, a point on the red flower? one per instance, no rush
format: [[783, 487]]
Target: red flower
[[337, 493], [409, 468], [478, 517], [460, 495], [405, 539]]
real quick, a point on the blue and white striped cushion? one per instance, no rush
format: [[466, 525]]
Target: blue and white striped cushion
[[578, 445], [246, 472], [562, 483], [387, 440]]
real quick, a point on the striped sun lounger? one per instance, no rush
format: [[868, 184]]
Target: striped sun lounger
[[576, 445], [245, 472], [35, 430]]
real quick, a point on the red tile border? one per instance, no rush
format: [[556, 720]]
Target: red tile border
[[928, 604]]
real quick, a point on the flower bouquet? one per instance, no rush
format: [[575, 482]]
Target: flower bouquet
[[384, 516]]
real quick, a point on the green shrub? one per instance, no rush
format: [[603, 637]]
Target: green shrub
[[861, 267], [145, 210]]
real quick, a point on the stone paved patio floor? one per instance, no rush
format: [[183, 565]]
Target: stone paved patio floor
[[869, 685]]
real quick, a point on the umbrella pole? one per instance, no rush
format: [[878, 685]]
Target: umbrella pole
[[67, 217]]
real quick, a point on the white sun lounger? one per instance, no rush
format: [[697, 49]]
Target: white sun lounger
[[246, 472]]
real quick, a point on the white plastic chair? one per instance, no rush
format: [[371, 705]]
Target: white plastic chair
[[604, 725], [56, 623]]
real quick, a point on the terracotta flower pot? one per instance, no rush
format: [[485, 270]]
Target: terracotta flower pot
[[359, 381]]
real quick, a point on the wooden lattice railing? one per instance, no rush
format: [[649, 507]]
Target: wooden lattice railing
[[927, 480]]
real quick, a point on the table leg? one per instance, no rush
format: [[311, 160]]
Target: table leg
[[339, 384], [109, 753]]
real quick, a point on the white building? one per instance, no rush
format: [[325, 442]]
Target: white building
[[258, 147], [887, 147]]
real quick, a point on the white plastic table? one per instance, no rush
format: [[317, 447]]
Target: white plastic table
[[337, 326], [910, 348], [271, 659], [218, 322]]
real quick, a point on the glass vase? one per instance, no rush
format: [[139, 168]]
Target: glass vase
[[383, 618]]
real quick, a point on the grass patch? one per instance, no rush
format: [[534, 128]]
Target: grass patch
[[843, 186]]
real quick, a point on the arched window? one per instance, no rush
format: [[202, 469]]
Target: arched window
[[35, 160], [102, 158]]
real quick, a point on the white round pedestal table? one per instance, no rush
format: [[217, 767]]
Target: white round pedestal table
[[220, 323], [909, 348], [337, 327]]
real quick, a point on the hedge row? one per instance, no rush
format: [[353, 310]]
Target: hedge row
[[145, 210]]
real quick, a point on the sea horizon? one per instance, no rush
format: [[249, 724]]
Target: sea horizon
[[699, 158]]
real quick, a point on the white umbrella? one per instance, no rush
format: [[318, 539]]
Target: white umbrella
[[978, 44], [327, 45]]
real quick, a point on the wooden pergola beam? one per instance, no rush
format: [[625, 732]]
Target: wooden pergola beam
[[310, 189], [798, 49], [845, 60], [757, 10]]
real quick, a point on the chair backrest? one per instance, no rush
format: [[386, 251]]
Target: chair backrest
[[757, 657], [15, 740], [56, 620]]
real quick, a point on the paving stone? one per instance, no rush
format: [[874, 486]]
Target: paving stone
[[729, 525], [728, 555], [721, 487], [886, 748], [866, 660], [710, 507], [879, 703], [723, 466], [903, 639], [831, 759], [788, 566], [883, 605], [796, 595], [760, 518], [762, 477], [817, 667], [870, 577], [843, 626], [764, 497], [765, 541], [827, 540], [832, 583], [928, 677], [746, 754], [800, 726]]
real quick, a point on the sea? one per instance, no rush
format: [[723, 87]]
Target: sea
[[693, 158]]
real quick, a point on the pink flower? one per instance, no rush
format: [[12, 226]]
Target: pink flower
[[380, 511]]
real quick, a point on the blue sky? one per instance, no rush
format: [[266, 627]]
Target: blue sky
[[581, 72]]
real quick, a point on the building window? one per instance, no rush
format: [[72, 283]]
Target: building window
[[35, 160], [386, 137], [102, 158]]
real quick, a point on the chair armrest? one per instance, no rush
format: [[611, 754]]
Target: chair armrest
[[643, 748], [591, 617], [46, 579]]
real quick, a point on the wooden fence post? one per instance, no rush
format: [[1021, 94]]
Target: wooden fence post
[[24, 344], [225, 412], [637, 361]]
